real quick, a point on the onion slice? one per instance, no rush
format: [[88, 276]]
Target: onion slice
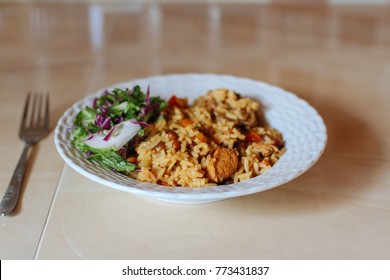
[[119, 135]]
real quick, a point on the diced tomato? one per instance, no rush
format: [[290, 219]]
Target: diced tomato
[[132, 159], [201, 137], [252, 137], [186, 122], [175, 101]]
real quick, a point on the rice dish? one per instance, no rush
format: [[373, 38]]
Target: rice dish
[[222, 138]]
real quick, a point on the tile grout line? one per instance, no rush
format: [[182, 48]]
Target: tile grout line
[[43, 232]]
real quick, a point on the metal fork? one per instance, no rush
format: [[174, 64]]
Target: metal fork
[[34, 127]]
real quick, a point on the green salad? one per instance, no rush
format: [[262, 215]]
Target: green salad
[[108, 130]]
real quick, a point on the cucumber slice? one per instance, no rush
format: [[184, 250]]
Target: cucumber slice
[[120, 134]]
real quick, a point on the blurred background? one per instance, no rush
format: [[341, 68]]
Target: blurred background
[[75, 47]]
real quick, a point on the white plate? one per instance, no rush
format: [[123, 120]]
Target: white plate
[[303, 130]]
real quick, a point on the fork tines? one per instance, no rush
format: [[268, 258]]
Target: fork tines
[[36, 115]]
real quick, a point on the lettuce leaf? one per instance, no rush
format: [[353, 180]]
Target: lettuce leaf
[[113, 160]]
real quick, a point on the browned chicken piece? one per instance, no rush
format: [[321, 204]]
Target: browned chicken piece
[[223, 164], [223, 104]]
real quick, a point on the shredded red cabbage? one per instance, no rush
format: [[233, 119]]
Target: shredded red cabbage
[[146, 109], [131, 91], [122, 151], [140, 123], [147, 97], [94, 102], [109, 134], [102, 122], [104, 111], [118, 120], [88, 154], [106, 123]]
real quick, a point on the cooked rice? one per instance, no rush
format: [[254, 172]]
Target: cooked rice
[[221, 118]]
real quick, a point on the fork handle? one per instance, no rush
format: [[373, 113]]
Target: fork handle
[[11, 195]]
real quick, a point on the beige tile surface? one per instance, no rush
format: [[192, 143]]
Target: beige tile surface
[[91, 221], [335, 57]]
